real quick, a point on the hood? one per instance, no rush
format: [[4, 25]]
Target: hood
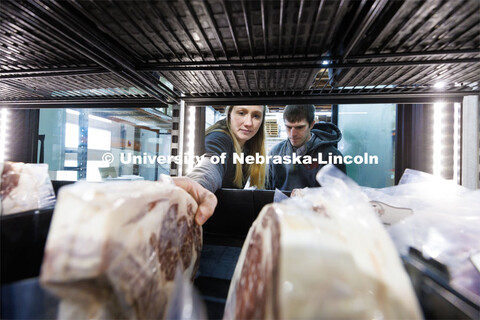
[[327, 133]]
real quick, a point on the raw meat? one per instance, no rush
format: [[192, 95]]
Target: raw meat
[[113, 248], [323, 256], [25, 186]]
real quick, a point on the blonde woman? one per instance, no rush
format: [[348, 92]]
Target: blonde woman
[[241, 132]]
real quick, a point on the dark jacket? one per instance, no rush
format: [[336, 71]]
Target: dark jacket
[[289, 176], [215, 176]]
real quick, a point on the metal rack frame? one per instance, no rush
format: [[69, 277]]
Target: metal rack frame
[[217, 52]]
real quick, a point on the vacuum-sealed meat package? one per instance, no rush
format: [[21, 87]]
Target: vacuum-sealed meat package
[[24, 186], [114, 248], [325, 255], [444, 225]]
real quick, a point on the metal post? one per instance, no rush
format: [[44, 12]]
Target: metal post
[[82, 153], [175, 170], [200, 131]]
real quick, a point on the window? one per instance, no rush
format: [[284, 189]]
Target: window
[[106, 144], [369, 129]]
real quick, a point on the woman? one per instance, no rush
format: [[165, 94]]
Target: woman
[[243, 131]]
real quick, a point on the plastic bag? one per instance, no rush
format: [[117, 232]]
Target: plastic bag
[[444, 225], [185, 302], [323, 255], [113, 248], [279, 196], [418, 189], [25, 186]]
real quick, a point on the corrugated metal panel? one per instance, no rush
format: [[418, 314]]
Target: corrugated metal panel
[[219, 49]]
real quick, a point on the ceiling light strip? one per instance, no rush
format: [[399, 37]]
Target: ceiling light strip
[[4, 124]]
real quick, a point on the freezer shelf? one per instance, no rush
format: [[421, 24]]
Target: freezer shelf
[[23, 238]]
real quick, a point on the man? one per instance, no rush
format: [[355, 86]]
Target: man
[[306, 140]]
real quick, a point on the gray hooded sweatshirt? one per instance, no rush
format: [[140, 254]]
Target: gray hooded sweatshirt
[[287, 176]]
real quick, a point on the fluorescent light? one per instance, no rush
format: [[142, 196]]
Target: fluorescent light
[[439, 85], [323, 113], [325, 62], [353, 112], [191, 138], [438, 135], [99, 139], [75, 112], [71, 135], [4, 122], [456, 142], [378, 86], [90, 116]]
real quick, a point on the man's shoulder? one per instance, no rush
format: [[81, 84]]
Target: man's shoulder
[[325, 148], [278, 147]]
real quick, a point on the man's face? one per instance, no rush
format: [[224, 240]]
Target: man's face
[[298, 132]]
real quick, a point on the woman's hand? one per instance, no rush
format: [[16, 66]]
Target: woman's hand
[[205, 199]]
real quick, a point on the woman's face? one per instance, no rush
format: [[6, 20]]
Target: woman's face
[[245, 122]]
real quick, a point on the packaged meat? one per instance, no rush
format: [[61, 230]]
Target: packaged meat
[[25, 186], [113, 248], [325, 255], [444, 225], [388, 214]]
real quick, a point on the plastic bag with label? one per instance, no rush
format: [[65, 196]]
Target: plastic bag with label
[[444, 225]]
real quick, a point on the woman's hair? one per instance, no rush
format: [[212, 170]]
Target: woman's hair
[[256, 144]]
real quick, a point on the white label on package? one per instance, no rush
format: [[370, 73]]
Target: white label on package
[[390, 215]]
